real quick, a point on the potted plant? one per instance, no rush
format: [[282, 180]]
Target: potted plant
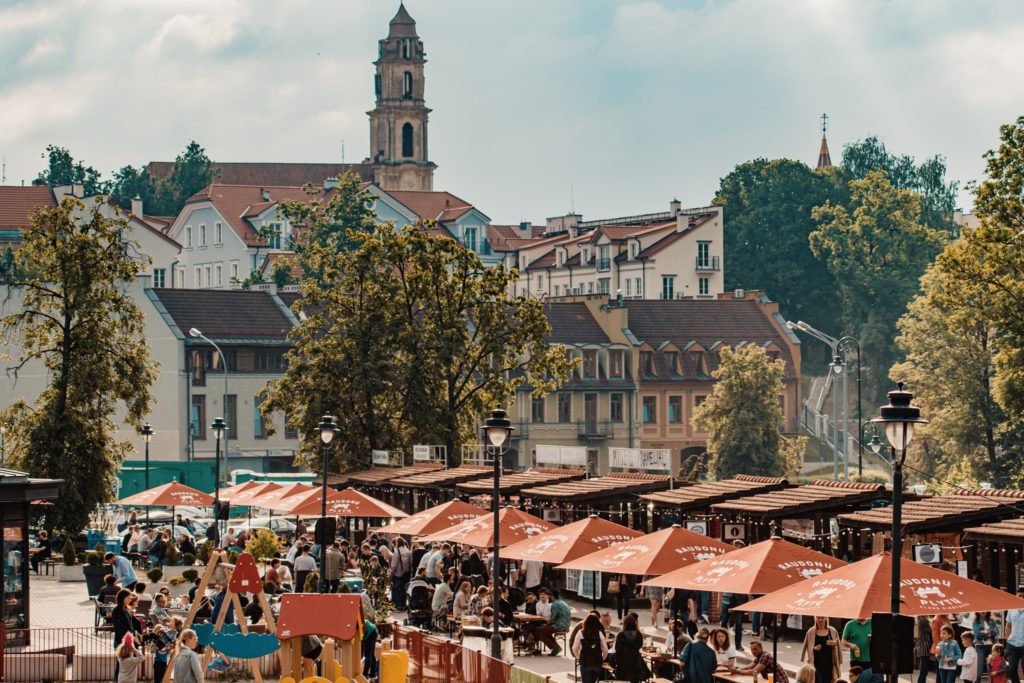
[[179, 585], [69, 572], [155, 574], [94, 572], [190, 575]]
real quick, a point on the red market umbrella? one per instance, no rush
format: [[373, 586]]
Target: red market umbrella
[[514, 525], [345, 503], [169, 495], [230, 492], [760, 568], [271, 500], [246, 497], [566, 543], [858, 590], [434, 519], [653, 554]]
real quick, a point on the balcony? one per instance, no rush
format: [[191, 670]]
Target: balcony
[[594, 430], [604, 264], [708, 265]]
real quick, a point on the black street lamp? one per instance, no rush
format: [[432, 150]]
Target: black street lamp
[[898, 419], [497, 430], [3, 434], [218, 427], [327, 429], [844, 345], [147, 435]]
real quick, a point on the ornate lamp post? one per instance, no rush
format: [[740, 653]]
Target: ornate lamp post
[[327, 429], [219, 428], [147, 435], [898, 419], [497, 429]]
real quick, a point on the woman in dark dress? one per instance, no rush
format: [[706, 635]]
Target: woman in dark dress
[[124, 621], [821, 648], [629, 662]]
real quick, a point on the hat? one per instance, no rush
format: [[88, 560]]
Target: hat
[[128, 640]]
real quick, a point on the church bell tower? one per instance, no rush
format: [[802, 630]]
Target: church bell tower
[[398, 122]]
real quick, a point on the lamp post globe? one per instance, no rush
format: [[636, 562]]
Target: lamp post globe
[[898, 419], [875, 444], [327, 428], [147, 435], [496, 432], [218, 428]]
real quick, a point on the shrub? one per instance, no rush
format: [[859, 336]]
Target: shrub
[[94, 559], [155, 574], [101, 548], [68, 551], [190, 574], [171, 555], [189, 560], [177, 580], [263, 544], [232, 557]]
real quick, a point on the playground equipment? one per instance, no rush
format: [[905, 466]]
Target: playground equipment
[[340, 618]]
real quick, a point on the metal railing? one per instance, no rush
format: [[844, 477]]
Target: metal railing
[[604, 264], [435, 660], [710, 264], [595, 429]]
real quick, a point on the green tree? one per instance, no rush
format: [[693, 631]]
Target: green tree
[[408, 338], [876, 249], [999, 199], [768, 206], [76, 318], [130, 182], [62, 169], [742, 415], [192, 171]]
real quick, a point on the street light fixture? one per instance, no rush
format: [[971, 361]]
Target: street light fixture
[[147, 435], [875, 444], [3, 433], [327, 428], [196, 333], [898, 419], [219, 429], [497, 430]]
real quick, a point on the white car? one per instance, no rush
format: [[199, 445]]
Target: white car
[[281, 526]]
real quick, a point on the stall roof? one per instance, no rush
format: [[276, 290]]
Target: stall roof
[[436, 479], [705, 494], [820, 496], [943, 512], [516, 482], [614, 485], [375, 475], [1005, 531]]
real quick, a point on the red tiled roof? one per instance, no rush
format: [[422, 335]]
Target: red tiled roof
[[545, 261], [510, 237], [271, 173], [621, 232], [18, 203], [235, 202], [225, 314], [290, 258], [432, 206]]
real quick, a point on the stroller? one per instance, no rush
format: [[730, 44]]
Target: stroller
[[420, 608]]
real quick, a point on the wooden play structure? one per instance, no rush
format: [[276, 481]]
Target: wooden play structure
[[338, 618], [237, 642]]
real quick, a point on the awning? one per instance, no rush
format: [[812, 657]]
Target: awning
[[517, 481], [703, 495], [942, 513], [821, 496]]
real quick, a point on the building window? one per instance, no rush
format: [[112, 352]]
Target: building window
[[537, 409], [590, 288], [206, 276], [590, 363], [639, 287], [616, 362], [231, 414], [258, 429], [675, 409], [188, 236], [290, 432], [672, 362], [269, 360], [603, 285], [199, 416], [407, 140], [558, 289], [407, 49], [199, 277], [407, 86], [615, 408], [703, 286], [703, 254], [650, 405], [159, 278], [629, 287], [469, 237], [274, 236], [234, 270], [647, 363], [604, 261], [698, 363], [202, 235], [217, 275], [218, 233], [634, 249], [668, 286], [540, 282], [564, 406]]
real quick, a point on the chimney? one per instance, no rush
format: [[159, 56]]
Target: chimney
[[330, 183], [137, 206], [675, 207], [266, 195], [78, 189], [525, 229]]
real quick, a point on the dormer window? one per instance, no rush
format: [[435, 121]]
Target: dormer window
[[589, 363], [672, 361], [615, 363], [647, 363], [634, 249], [699, 368]]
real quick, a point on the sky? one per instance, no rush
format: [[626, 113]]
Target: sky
[[606, 107]]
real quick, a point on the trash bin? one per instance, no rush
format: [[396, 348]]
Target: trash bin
[[113, 545], [94, 536]]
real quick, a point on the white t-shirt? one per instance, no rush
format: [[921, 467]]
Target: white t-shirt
[[304, 563], [534, 571], [544, 609], [725, 656]]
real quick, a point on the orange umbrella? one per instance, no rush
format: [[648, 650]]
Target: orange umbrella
[[653, 554], [858, 590], [760, 568], [434, 519], [169, 495], [246, 497], [345, 503], [271, 500], [230, 492], [562, 544], [513, 524]]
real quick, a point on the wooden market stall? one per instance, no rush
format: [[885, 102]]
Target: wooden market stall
[[692, 502], [610, 496], [433, 487], [512, 484], [377, 481], [997, 550]]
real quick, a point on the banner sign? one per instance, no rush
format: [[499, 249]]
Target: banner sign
[[561, 455], [420, 453], [381, 457], [659, 459], [428, 453]]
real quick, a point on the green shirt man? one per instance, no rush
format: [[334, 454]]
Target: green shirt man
[[857, 637]]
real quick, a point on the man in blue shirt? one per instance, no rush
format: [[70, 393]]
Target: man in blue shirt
[[1015, 638], [123, 571]]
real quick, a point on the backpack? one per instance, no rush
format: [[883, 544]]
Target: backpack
[[590, 652]]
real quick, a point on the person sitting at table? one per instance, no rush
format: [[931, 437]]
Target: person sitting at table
[[590, 648], [110, 589], [442, 594], [559, 621], [461, 600], [159, 612], [677, 638], [506, 615], [44, 551], [699, 659], [543, 606], [629, 662], [763, 664], [478, 602], [530, 605]]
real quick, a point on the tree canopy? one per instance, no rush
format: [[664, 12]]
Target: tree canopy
[[72, 314], [62, 169]]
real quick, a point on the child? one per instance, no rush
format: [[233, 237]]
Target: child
[[969, 661], [221, 663], [129, 660], [187, 668], [948, 653], [163, 640], [997, 665]]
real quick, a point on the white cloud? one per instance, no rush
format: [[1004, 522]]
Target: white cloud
[[41, 52]]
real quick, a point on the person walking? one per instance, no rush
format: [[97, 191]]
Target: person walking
[[624, 598], [821, 649], [968, 661], [400, 569], [129, 659], [985, 630], [1015, 639], [590, 649], [629, 662], [332, 567], [857, 638], [187, 667], [923, 647], [656, 595], [949, 653], [304, 564]]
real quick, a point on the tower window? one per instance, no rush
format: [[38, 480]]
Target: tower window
[[407, 49], [376, 85], [407, 85], [407, 139]]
